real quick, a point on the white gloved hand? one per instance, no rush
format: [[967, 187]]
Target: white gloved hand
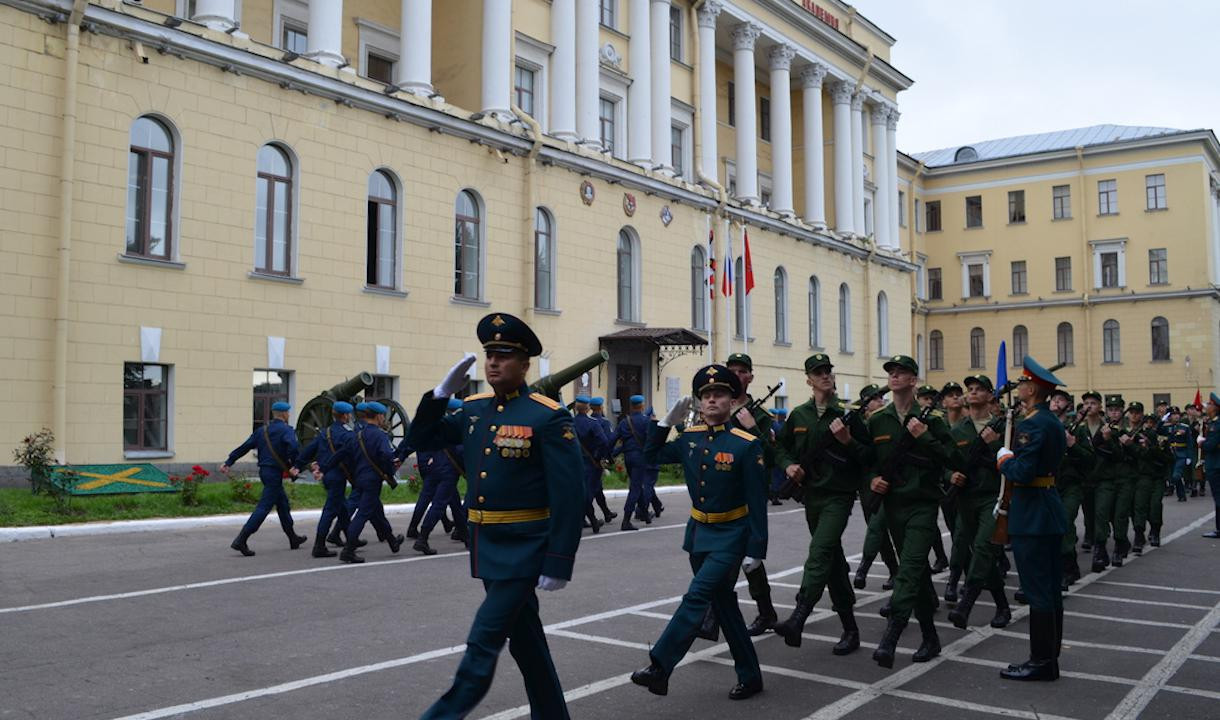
[[1001, 455], [550, 584], [751, 564], [678, 412], [455, 379], [1198, 441]]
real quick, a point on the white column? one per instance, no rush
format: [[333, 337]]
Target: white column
[[891, 149], [781, 129], [840, 94], [325, 39], [563, 69], [881, 178], [639, 93], [815, 170], [497, 58], [588, 75], [415, 47], [709, 154], [662, 87], [857, 162], [1214, 195], [217, 14], [744, 36]]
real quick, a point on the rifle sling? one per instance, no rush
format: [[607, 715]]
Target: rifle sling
[[274, 455]]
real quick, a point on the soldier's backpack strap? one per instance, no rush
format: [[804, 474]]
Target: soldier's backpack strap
[[453, 459], [274, 455], [388, 480], [631, 429], [342, 465]]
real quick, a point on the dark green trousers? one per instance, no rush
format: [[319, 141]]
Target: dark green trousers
[[913, 526], [1088, 508], [1149, 493], [826, 514], [975, 524], [1124, 507], [1072, 494], [1103, 511], [877, 540]]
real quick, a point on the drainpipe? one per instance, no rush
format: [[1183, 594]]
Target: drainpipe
[[700, 171], [67, 165], [531, 202], [1085, 257], [869, 302]]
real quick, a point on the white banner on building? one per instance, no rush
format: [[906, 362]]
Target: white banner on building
[[150, 344], [383, 360], [275, 352]]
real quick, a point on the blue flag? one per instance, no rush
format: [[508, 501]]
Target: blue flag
[[1001, 369]]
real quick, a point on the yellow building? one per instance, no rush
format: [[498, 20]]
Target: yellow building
[[196, 193], [1097, 247]]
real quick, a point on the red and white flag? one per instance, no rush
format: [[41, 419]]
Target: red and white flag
[[749, 266], [726, 275]]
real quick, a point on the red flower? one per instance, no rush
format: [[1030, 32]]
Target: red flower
[[198, 470]]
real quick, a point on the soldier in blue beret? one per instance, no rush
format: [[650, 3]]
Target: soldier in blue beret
[[628, 440], [725, 476], [524, 505], [595, 451], [277, 448], [1209, 442], [1036, 519], [777, 472], [329, 441], [371, 457], [441, 469]]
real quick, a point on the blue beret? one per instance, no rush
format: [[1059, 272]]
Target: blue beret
[[362, 406], [280, 407], [454, 403], [597, 401], [341, 407], [780, 411], [582, 399], [637, 399], [1214, 398], [376, 408]]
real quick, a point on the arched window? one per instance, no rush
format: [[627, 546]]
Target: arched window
[[1110, 344], [1160, 338], [1020, 345], [150, 189], [965, 154], [781, 305], [1065, 343], [844, 318], [273, 211], [936, 350], [978, 348], [741, 302], [382, 252], [699, 289], [815, 312], [468, 246], [883, 324], [544, 259], [628, 276]]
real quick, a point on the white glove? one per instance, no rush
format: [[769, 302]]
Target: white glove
[[1165, 418], [751, 564], [550, 584], [1199, 440], [678, 412], [455, 379], [1001, 455]]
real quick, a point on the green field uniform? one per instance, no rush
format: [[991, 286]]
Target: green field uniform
[[1076, 469], [756, 580], [976, 500], [1109, 475], [1156, 462]]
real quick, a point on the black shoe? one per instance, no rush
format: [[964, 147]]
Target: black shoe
[[610, 515], [951, 586], [597, 526], [849, 641], [460, 536], [653, 678], [350, 556], [1043, 670], [960, 615], [1071, 571], [1003, 613], [884, 654], [1086, 546], [861, 578], [741, 691], [421, 545], [1118, 560], [295, 541], [1137, 548], [239, 544], [764, 622], [930, 646], [395, 542], [1154, 538], [658, 510], [889, 583], [334, 538], [412, 532], [790, 629], [627, 525], [709, 629], [1101, 559], [446, 524], [885, 609], [776, 501], [940, 565], [1019, 596], [320, 550]]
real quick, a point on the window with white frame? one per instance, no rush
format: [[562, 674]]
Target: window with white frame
[[844, 318], [936, 284], [1109, 263], [531, 78], [978, 348], [1160, 339], [544, 259], [936, 350], [974, 211], [1066, 352], [1016, 207], [628, 268], [609, 13], [147, 407], [781, 305], [290, 25], [468, 246], [1061, 202], [1107, 197], [1158, 266], [614, 89], [152, 169], [700, 295], [381, 253], [1020, 345], [976, 274], [275, 201], [1063, 274], [1020, 279], [902, 209], [1110, 342], [1155, 190], [815, 312], [607, 113], [675, 33], [883, 324], [525, 82], [682, 148], [379, 45]]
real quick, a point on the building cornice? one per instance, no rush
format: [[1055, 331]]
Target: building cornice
[[1078, 301]]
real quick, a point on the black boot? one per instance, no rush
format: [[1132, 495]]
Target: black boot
[[294, 541], [709, 629], [1118, 559], [885, 609], [942, 561], [653, 678], [446, 523], [889, 583], [862, 573], [741, 691], [334, 538], [395, 542], [1003, 613], [606, 512], [627, 524], [1138, 547], [412, 532], [1019, 596], [1005, 565], [951, 587], [1071, 570], [790, 629], [1042, 638], [239, 544], [930, 647], [760, 591], [460, 534], [1101, 558], [960, 615], [320, 550], [849, 641], [884, 654], [349, 552], [1154, 537], [421, 545]]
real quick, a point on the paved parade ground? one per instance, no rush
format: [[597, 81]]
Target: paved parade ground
[[174, 624]]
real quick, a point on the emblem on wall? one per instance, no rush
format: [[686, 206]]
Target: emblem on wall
[[666, 216], [586, 192], [629, 204]]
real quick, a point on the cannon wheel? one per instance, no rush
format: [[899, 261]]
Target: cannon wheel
[[397, 422], [313, 419]]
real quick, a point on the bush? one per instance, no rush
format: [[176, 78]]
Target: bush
[[36, 453], [242, 489], [188, 485]]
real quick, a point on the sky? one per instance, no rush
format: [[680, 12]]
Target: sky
[[986, 69]]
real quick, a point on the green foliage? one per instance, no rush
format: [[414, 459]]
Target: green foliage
[[36, 454], [241, 488]]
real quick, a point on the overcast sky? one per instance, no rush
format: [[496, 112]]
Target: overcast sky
[[987, 69]]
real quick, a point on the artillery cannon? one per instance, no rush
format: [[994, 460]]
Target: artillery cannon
[[316, 414], [552, 384]]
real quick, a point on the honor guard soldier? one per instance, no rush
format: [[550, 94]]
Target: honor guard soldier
[[326, 443], [816, 450], [596, 411], [1209, 442], [442, 468], [524, 502], [277, 448], [725, 476], [595, 450], [1182, 442], [371, 458], [1077, 466], [1036, 520], [877, 537]]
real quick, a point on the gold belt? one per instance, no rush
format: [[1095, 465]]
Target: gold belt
[[720, 517], [499, 517], [1042, 482]]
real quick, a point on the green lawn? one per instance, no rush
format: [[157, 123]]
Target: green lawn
[[19, 508]]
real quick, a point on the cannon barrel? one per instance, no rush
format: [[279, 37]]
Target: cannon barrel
[[349, 388], [553, 383]]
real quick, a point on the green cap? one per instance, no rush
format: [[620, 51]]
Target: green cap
[[1136, 406], [980, 379], [817, 361], [1091, 394], [903, 361], [1115, 400], [949, 387], [1063, 393], [925, 390], [740, 359]]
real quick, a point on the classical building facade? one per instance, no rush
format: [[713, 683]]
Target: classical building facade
[[211, 204], [1097, 247]]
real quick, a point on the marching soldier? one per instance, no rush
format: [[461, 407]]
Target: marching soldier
[[1036, 520], [1110, 444], [813, 450], [726, 476], [953, 402], [1182, 442], [1209, 442], [877, 537], [1154, 461], [326, 443], [371, 458], [442, 468], [1198, 423], [1076, 467], [1092, 419], [523, 499], [777, 472], [595, 450], [927, 397], [277, 448], [628, 440]]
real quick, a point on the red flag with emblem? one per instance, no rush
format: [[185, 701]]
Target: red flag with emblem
[[749, 266], [1198, 398]]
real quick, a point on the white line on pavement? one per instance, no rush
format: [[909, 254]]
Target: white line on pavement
[[1159, 587], [1129, 621], [1072, 642], [975, 707], [1157, 603]]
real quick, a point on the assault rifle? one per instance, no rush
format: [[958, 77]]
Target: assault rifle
[[979, 456], [823, 447], [759, 402], [899, 457]]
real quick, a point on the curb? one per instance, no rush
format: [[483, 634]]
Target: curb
[[43, 532]]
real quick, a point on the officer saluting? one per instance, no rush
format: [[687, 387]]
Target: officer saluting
[[1037, 520], [725, 476], [277, 448], [524, 500]]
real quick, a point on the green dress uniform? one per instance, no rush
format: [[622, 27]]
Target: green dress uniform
[[1074, 472], [1111, 479], [1155, 463], [525, 501], [876, 537]]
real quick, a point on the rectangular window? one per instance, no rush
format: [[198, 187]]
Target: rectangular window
[[145, 406], [974, 211], [379, 68], [1107, 197], [918, 216], [868, 216], [270, 387], [933, 208], [1155, 189], [385, 387], [524, 83], [764, 118], [1016, 206], [1061, 202], [936, 290], [1063, 274], [609, 12], [902, 209], [675, 33], [732, 114], [676, 150], [1109, 269], [1020, 284], [606, 111], [975, 275], [294, 39], [1158, 266], [1160, 399]]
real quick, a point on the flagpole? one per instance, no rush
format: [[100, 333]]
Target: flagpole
[[728, 264], [710, 297], [745, 295]]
